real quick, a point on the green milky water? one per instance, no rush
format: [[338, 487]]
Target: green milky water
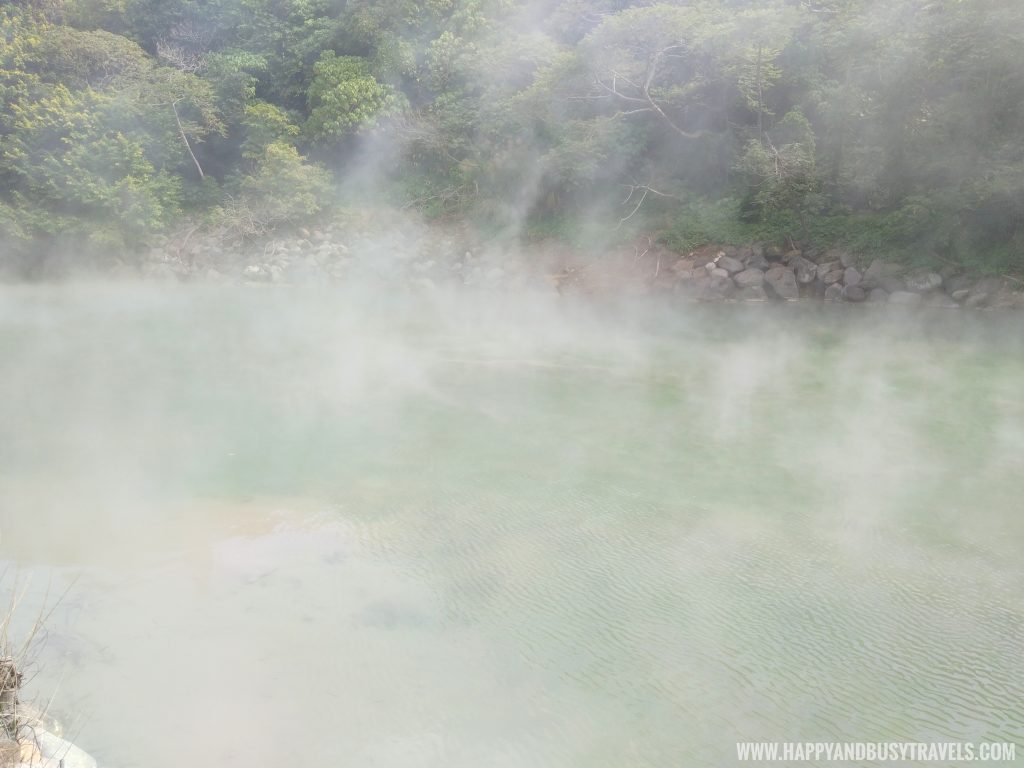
[[313, 527]]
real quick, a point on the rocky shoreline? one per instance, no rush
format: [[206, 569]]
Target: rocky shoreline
[[758, 273], [425, 257]]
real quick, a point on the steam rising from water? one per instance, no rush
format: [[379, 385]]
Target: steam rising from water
[[314, 526]]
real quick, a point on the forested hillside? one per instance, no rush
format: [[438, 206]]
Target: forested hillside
[[892, 126]]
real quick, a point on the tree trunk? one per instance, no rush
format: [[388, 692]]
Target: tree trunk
[[760, 98], [839, 149], [181, 130]]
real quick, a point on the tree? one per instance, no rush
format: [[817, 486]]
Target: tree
[[345, 97], [89, 143], [58, 154], [283, 187], [781, 170], [264, 125]]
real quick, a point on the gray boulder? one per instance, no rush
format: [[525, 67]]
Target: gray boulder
[[717, 288], [977, 300], [805, 270], [684, 265], [782, 281], [693, 287], [923, 282], [957, 283], [990, 285], [749, 278], [876, 272], [255, 273], [892, 284], [753, 258], [1014, 300], [851, 276], [845, 258], [729, 264], [834, 292], [854, 293], [830, 272], [994, 292]]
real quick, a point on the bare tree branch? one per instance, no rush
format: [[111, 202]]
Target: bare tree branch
[[185, 46], [634, 187], [613, 89], [180, 57], [624, 219], [645, 190], [643, 92]]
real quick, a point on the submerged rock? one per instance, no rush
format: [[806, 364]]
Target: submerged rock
[[752, 293]]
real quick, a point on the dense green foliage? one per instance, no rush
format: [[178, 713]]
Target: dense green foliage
[[881, 126]]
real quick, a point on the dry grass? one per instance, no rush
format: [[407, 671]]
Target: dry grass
[[18, 661]]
